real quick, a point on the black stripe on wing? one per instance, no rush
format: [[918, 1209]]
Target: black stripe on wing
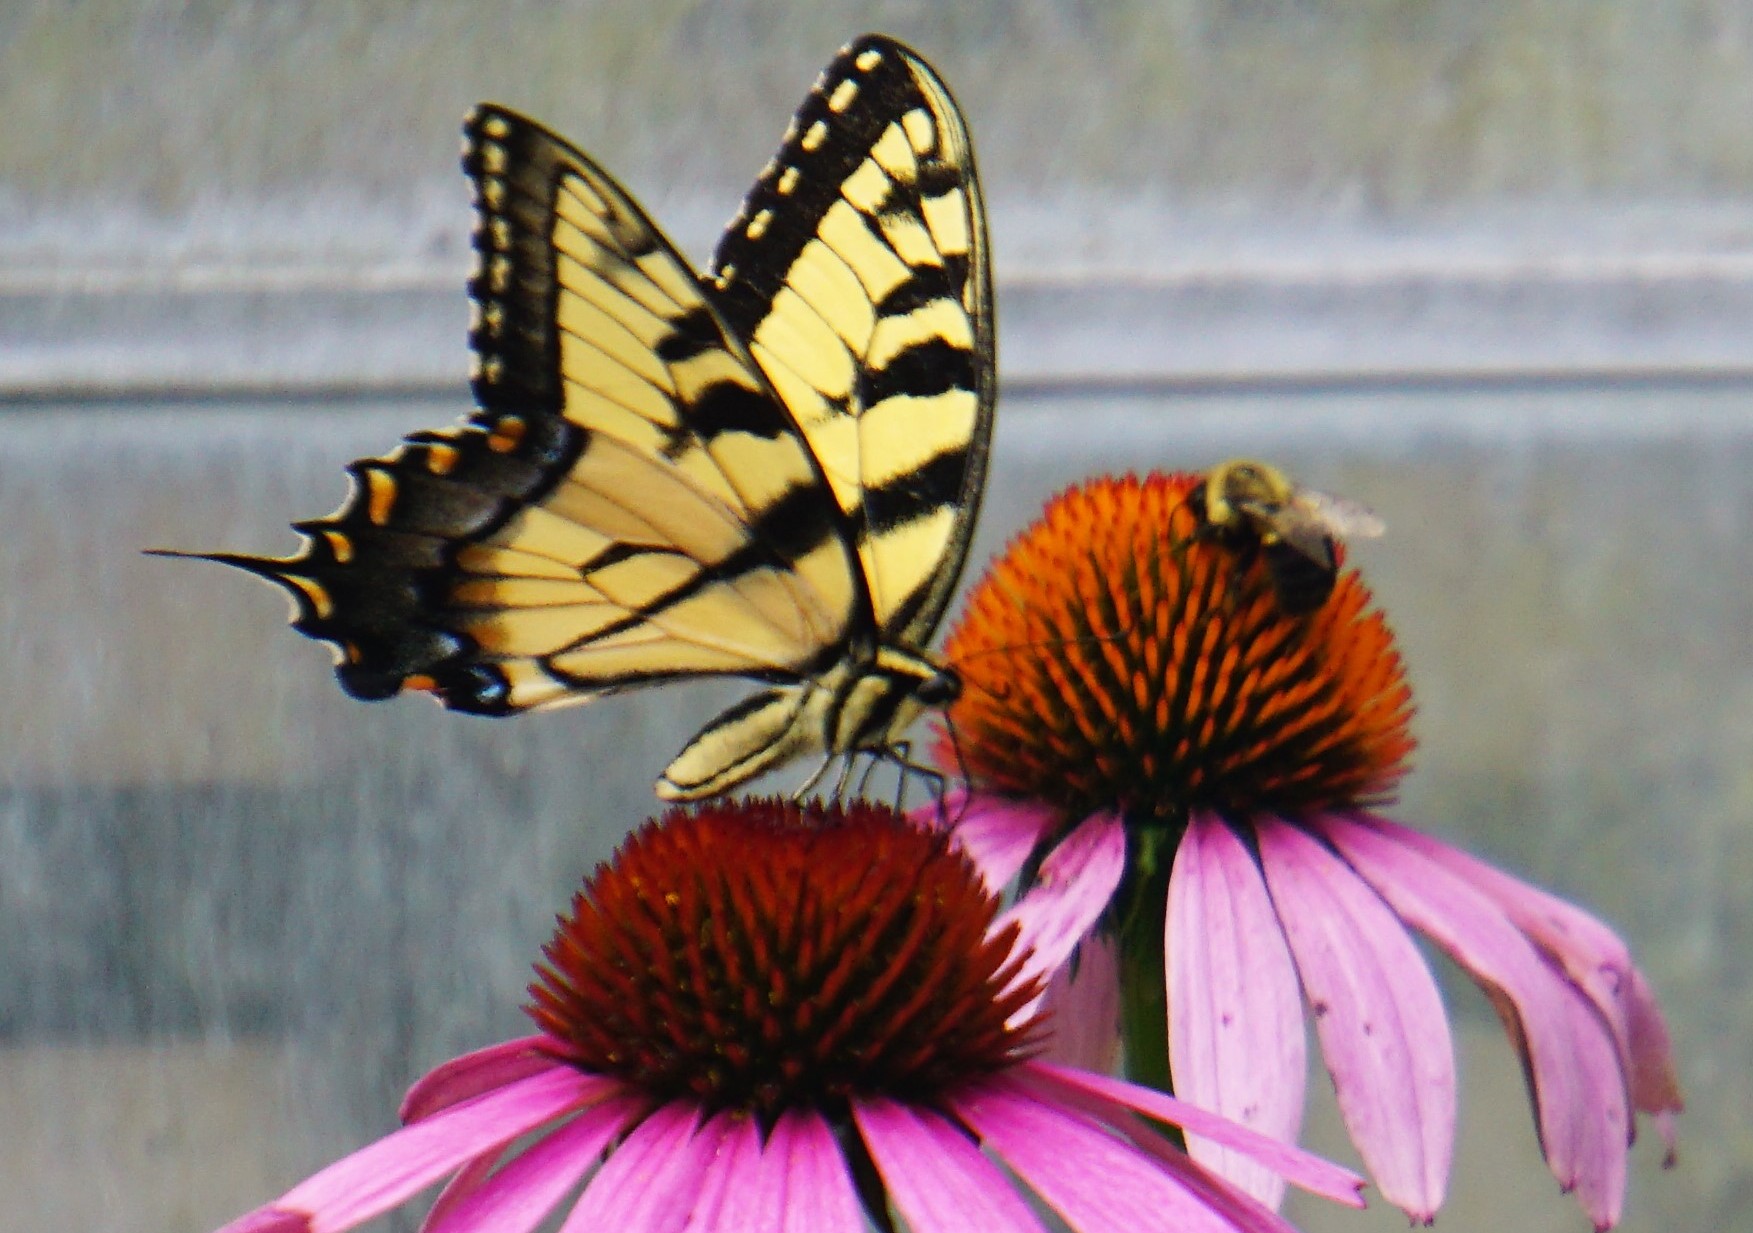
[[874, 187], [789, 529], [812, 169]]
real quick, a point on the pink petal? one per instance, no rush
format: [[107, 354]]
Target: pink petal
[[1591, 954], [405, 1162], [1378, 1013], [1670, 1133], [1070, 893], [520, 1195], [1567, 1049], [1104, 1096], [463, 1183], [1655, 1080], [996, 832], [650, 1181], [819, 1196], [1236, 1038], [1600, 1156], [739, 1191], [473, 1073], [1236, 1206], [1092, 1179], [269, 1219], [1083, 1006], [938, 1180]]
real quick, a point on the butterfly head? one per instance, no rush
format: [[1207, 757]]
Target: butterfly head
[[939, 689]]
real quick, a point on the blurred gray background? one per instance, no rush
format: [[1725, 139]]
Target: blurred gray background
[[1488, 268]]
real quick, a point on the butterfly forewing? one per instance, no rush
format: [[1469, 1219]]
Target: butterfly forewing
[[691, 519], [858, 271]]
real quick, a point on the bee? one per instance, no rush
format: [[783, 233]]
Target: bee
[[1253, 506]]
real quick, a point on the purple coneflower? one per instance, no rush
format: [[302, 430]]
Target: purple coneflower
[[761, 1017], [1184, 770]]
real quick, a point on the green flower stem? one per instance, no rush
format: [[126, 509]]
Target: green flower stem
[[1144, 1001]]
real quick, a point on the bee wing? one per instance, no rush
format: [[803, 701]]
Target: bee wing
[[1340, 517], [1309, 537]]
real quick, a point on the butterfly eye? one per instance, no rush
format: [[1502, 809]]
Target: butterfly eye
[[940, 690]]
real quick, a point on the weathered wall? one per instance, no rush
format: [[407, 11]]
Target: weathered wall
[[283, 127]]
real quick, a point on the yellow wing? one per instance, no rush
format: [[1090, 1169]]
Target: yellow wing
[[859, 272], [775, 474], [630, 504]]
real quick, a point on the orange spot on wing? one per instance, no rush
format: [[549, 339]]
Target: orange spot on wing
[[380, 496], [442, 459], [507, 435], [314, 592], [340, 547]]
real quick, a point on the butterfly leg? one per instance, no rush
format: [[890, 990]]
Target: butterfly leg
[[845, 780], [938, 786], [809, 785], [901, 754], [869, 770]]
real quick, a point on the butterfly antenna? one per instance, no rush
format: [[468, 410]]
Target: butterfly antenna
[[949, 727], [1013, 648]]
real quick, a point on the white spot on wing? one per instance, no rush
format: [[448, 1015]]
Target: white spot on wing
[[921, 131], [842, 96]]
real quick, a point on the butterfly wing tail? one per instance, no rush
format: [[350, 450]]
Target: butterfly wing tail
[[378, 651], [312, 603]]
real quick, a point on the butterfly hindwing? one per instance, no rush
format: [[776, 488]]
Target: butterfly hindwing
[[630, 504], [858, 271]]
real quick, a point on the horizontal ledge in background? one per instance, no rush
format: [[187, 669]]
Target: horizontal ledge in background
[[316, 332], [1013, 388]]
